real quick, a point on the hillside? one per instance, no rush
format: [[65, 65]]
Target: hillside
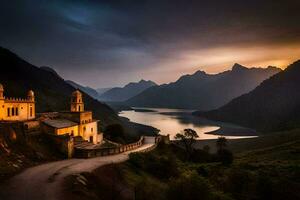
[[204, 91], [274, 105], [262, 169], [102, 90], [118, 94], [51, 91], [90, 91]]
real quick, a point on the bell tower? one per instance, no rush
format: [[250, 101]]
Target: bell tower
[[30, 95], [1, 92], [77, 104]]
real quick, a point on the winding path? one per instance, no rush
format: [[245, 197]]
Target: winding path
[[44, 182]]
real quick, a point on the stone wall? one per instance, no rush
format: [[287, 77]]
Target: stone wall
[[64, 143], [89, 153]]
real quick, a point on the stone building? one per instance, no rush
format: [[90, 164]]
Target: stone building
[[76, 123], [16, 109]]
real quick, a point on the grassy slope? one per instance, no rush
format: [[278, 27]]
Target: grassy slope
[[267, 167]]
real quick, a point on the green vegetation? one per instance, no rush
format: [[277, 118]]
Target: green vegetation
[[188, 138], [114, 132], [269, 170]]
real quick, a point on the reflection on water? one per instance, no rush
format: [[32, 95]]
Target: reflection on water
[[172, 121]]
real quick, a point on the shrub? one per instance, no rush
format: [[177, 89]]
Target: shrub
[[189, 186], [115, 132], [161, 166], [225, 156]]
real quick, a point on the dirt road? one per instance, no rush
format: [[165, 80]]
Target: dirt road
[[44, 182]]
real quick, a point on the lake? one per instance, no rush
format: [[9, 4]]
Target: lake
[[172, 121]]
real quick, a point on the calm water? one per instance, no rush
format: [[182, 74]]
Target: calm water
[[172, 121]]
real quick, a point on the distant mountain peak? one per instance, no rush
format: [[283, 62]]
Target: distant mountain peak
[[200, 72], [128, 91], [238, 67], [149, 81]]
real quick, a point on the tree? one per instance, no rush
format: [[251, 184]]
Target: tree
[[189, 186], [221, 143], [206, 148], [114, 132], [188, 138], [224, 155]]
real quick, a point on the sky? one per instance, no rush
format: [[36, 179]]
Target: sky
[[112, 42]]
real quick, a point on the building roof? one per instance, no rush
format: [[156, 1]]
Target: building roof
[[60, 123]]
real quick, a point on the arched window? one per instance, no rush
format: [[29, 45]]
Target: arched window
[[17, 111], [78, 108], [13, 111], [8, 112]]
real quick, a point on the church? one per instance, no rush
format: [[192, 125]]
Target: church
[[76, 123], [17, 109]]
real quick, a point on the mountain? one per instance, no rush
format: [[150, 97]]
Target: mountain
[[102, 90], [273, 105], [204, 91], [49, 69], [52, 92], [90, 91], [130, 90]]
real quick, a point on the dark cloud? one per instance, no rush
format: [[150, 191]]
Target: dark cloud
[[93, 41]]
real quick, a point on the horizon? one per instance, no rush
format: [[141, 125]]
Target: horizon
[[192, 73], [172, 81], [107, 44]]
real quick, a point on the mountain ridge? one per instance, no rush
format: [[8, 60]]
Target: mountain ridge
[[203, 91], [131, 89], [90, 91], [273, 105]]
